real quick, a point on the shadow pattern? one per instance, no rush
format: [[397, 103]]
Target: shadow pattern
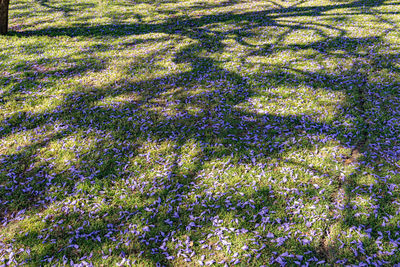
[[189, 168]]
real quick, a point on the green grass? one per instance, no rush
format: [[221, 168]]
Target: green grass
[[186, 133]]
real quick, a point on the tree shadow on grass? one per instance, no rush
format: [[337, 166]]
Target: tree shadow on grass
[[202, 106], [176, 24]]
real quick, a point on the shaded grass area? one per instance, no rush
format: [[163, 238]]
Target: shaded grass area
[[200, 133]]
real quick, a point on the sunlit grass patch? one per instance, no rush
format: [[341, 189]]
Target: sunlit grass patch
[[320, 105]]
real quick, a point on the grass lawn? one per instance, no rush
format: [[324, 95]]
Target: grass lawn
[[200, 132]]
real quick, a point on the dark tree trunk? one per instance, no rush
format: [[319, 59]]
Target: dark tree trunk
[[4, 16]]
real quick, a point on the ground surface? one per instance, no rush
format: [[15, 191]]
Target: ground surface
[[200, 132]]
